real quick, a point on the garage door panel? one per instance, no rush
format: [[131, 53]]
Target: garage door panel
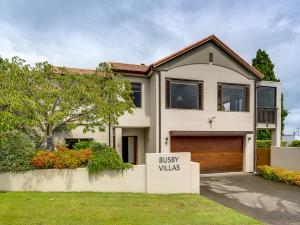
[[215, 154]]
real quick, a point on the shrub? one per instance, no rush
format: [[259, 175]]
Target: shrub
[[283, 143], [295, 143], [105, 158], [63, 158], [83, 145], [16, 151], [279, 175], [263, 143]]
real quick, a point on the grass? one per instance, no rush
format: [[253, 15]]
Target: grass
[[35, 208]]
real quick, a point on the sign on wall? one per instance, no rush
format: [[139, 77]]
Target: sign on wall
[[168, 171]]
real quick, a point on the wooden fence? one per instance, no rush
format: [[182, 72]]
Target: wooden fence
[[263, 156]]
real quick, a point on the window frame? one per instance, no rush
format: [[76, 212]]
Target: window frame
[[199, 84], [275, 97], [246, 98], [141, 92]]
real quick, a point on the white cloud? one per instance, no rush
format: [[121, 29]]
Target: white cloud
[[84, 33]]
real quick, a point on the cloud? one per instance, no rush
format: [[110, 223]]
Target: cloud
[[84, 33]]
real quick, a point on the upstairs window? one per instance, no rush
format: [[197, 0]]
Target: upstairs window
[[233, 98], [183, 94], [136, 94], [266, 97]]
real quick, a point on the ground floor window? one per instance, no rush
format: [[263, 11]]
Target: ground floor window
[[70, 142]]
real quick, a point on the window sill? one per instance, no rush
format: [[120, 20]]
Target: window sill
[[183, 109], [234, 111]]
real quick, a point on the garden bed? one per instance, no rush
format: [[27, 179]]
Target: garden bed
[[279, 175]]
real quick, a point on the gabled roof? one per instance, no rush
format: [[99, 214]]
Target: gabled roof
[[145, 69], [220, 44]]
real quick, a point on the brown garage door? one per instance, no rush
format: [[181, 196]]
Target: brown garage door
[[216, 154]]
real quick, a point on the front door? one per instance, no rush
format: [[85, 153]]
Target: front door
[[129, 149]]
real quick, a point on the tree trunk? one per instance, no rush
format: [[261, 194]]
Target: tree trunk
[[49, 143]]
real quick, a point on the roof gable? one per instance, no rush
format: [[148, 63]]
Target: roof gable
[[203, 44]]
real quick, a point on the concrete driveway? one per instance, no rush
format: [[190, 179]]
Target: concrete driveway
[[267, 201]]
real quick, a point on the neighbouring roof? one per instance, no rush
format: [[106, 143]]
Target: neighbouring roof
[[144, 69], [120, 67], [62, 70], [129, 68]]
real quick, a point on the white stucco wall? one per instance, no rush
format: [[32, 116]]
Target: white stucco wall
[[140, 179], [98, 136], [140, 116], [286, 157], [67, 180], [152, 136], [197, 120]]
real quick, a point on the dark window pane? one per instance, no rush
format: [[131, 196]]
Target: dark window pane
[[136, 94], [71, 142], [266, 97], [233, 97], [86, 139], [135, 86], [136, 97], [184, 95]]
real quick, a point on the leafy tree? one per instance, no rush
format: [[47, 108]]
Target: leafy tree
[[284, 114], [43, 100], [264, 135], [16, 151], [263, 64]]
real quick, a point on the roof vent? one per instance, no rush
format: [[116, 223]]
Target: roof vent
[[211, 57]]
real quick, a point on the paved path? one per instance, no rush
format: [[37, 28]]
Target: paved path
[[267, 201]]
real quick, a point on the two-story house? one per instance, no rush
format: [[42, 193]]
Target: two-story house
[[204, 99]]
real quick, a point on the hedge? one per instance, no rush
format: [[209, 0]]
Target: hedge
[[268, 143], [263, 143], [105, 158], [279, 175], [295, 143], [283, 144]]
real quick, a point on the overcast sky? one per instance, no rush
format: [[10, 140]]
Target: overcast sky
[[84, 33]]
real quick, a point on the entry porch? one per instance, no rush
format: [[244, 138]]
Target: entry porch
[[132, 143]]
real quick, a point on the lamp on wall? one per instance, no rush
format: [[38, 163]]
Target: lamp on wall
[[166, 140], [211, 118]]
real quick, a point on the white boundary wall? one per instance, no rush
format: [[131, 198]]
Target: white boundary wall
[[62, 180], [139, 179], [286, 157]]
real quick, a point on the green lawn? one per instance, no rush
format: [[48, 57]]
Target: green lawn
[[34, 208]]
